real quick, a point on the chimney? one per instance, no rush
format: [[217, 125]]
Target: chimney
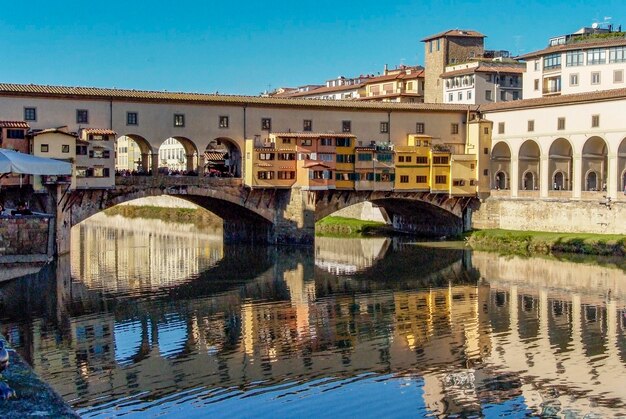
[[386, 70]]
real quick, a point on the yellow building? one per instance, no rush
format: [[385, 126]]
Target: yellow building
[[413, 164], [345, 173], [440, 169]]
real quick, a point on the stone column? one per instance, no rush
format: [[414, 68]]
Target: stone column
[[577, 176], [514, 183], [145, 163], [63, 223], [295, 217], [612, 177], [191, 166], [544, 183], [155, 164]]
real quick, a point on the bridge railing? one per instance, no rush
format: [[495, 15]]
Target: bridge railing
[[157, 181]]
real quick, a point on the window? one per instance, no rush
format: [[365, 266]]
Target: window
[[596, 56], [30, 114], [179, 120], [503, 95], [441, 179], [345, 158], [44, 148], [536, 65], [17, 134], [132, 118], [595, 121], [326, 157], [486, 172], [430, 46], [286, 156], [595, 77], [306, 142], [81, 150], [618, 76], [458, 182], [266, 124], [384, 157], [488, 95], [267, 175], [82, 116], [365, 156], [574, 58], [326, 141], [561, 124], [266, 156], [552, 61], [573, 79], [289, 174], [421, 160], [419, 128], [460, 95], [404, 179], [223, 121], [384, 127], [500, 127], [536, 81], [438, 44], [421, 179], [531, 125], [469, 95], [346, 126], [486, 130], [486, 150], [454, 129], [617, 54], [440, 160], [450, 97], [515, 95], [81, 172], [342, 142], [286, 140], [307, 125], [65, 148]]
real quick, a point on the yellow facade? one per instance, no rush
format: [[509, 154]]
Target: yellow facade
[[463, 174], [344, 172], [413, 164], [440, 171]]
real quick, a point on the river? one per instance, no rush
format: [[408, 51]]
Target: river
[[147, 318]]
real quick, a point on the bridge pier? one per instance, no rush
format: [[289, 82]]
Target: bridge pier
[[295, 217]]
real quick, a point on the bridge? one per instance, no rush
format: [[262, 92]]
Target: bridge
[[270, 216]]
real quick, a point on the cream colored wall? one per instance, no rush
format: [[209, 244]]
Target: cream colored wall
[[55, 142]]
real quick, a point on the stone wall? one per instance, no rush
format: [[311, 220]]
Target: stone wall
[[564, 216], [26, 238], [363, 211]]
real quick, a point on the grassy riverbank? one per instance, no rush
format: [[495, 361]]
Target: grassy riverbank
[[196, 216], [536, 242], [340, 226]]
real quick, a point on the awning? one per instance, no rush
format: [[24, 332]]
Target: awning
[[27, 164]]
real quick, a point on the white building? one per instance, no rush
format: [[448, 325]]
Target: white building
[[172, 155], [588, 60], [480, 81]]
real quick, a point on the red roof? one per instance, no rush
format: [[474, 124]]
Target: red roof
[[455, 33], [313, 135], [314, 164], [100, 131], [14, 124]]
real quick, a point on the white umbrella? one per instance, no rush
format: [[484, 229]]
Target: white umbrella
[[27, 164]]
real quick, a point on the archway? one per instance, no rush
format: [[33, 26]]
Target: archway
[[222, 157], [528, 165], [560, 164], [621, 165], [558, 181], [501, 164], [133, 154], [178, 156], [591, 181], [594, 160], [501, 180]]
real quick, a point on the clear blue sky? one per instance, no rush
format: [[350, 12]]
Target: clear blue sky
[[241, 47]]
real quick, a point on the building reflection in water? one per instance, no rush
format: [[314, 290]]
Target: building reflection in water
[[472, 332]]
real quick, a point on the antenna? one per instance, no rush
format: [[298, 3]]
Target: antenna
[[594, 25]]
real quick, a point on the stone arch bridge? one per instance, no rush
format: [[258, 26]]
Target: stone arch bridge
[[269, 216]]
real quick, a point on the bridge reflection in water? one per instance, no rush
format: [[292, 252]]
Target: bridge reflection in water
[[246, 329]]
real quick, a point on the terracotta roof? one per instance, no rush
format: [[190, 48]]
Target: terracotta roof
[[325, 89], [54, 131], [378, 97], [95, 93], [455, 32], [100, 131], [613, 94], [14, 124], [214, 155], [415, 74], [313, 135], [584, 44], [314, 164], [485, 69]]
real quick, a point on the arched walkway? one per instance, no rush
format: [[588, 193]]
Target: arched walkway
[[594, 160], [621, 165], [178, 155], [560, 165], [133, 153], [528, 166], [501, 165], [222, 157]]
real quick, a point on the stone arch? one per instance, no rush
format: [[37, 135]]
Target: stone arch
[[223, 157], [594, 159], [134, 153], [621, 165], [178, 153], [501, 163], [558, 180], [560, 159], [528, 157], [501, 180]]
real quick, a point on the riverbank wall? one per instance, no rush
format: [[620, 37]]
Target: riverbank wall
[[563, 216], [26, 238]]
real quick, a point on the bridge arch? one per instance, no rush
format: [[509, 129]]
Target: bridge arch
[[134, 152], [560, 158], [621, 165], [594, 160], [172, 157], [501, 165], [528, 157]]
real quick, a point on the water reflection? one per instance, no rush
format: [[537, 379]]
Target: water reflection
[[373, 326]]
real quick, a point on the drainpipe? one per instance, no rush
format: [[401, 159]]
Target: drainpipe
[[244, 121], [111, 113], [389, 126]]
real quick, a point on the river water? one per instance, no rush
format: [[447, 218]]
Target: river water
[[147, 318]]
